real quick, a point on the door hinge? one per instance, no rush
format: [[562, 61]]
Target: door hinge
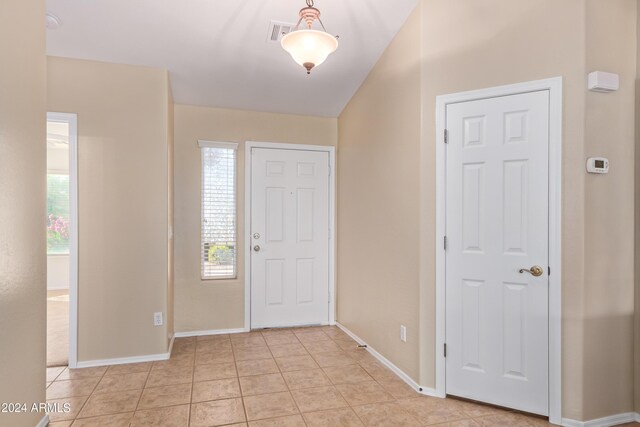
[[445, 243], [446, 136], [549, 269], [445, 350], [329, 170]]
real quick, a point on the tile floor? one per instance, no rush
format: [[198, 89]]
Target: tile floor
[[293, 377]]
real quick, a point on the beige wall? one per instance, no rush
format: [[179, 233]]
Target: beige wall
[[123, 199], [378, 204], [22, 226], [498, 42], [637, 229], [609, 213], [219, 304]]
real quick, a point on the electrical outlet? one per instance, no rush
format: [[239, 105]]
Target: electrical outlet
[[157, 319], [403, 333]]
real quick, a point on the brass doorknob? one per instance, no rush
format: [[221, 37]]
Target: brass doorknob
[[535, 271]]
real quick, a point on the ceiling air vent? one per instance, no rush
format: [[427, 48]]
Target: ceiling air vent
[[278, 29]]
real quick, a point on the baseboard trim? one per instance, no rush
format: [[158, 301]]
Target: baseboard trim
[[124, 360], [612, 420], [44, 421], [208, 332], [428, 391]]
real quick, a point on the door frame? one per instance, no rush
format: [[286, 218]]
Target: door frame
[[554, 86], [72, 120], [249, 146]]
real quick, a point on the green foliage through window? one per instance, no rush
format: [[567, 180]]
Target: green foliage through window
[[57, 214]]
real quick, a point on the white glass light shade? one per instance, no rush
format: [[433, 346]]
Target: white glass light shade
[[309, 48]]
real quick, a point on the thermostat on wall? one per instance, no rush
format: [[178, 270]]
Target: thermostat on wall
[[597, 165]]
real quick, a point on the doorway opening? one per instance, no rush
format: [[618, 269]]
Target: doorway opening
[[61, 234]]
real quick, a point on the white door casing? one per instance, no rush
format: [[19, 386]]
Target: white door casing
[[289, 237], [496, 225]]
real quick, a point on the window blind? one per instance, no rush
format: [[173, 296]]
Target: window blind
[[218, 250]]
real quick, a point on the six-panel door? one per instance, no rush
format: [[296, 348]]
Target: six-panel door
[[496, 225], [289, 237]]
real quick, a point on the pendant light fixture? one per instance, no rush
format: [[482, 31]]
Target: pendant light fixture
[[309, 47]]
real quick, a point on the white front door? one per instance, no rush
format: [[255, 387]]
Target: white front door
[[289, 237], [497, 222]]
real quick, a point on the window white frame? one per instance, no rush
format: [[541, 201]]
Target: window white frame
[[554, 86], [72, 120], [249, 146], [231, 146]]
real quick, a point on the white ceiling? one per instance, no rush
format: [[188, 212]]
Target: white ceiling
[[216, 50]]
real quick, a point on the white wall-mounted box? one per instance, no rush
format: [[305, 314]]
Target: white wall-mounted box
[[601, 81]]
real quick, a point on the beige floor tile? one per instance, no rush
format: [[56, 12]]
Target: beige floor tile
[[269, 406], [318, 399], [114, 420], [71, 388], [312, 335], [364, 393], [169, 395], [432, 410], [378, 371], [69, 408], [217, 412], [129, 368], [252, 353], [398, 388], [208, 346], [110, 403], [113, 383], [215, 390], [223, 356], [473, 410], [177, 361], [308, 378], [256, 367], [52, 373], [336, 333], [82, 373], [460, 423], [262, 384], [296, 363], [169, 376], [172, 416], [347, 374], [60, 424], [181, 347], [221, 337], [336, 358], [284, 350], [510, 419], [256, 339], [280, 338], [333, 418], [290, 421], [245, 346], [385, 415], [361, 355], [215, 371], [327, 346], [347, 345]]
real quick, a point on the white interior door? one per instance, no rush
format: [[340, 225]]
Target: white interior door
[[497, 224], [289, 237]]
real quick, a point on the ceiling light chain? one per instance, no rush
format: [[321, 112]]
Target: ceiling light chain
[[309, 47]]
